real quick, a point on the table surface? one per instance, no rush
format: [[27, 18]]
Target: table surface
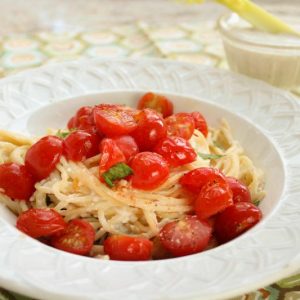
[[74, 29]]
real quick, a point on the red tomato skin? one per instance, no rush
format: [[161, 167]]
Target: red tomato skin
[[156, 102], [197, 178], [110, 155], [200, 122], [128, 248], [113, 120], [187, 236], [42, 157], [16, 182], [127, 145], [41, 222], [83, 119], [151, 128], [240, 192], [80, 145], [213, 198], [176, 151], [77, 238], [72, 123], [235, 220], [150, 170], [180, 124]]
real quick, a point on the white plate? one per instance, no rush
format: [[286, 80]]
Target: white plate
[[266, 253]]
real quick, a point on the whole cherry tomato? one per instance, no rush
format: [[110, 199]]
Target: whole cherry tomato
[[176, 151], [180, 124], [151, 128], [127, 145], [240, 192], [121, 247], [197, 178], [186, 236], [200, 122], [42, 157], [83, 119], [113, 120], [16, 182], [235, 220], [110, 155], [77, 238], [156, 102], [41, 222], [213, 198], [80, 145], [150, 170]]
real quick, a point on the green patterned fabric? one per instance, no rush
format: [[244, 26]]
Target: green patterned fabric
[[189, 42]]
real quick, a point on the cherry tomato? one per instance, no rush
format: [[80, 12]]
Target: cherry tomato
[[110, 155], [41, 222], [213, 198], [113, 120], [121, 247], [151, 128], [181, 124], [197, 178], [176, 151], [235, 220], [159, 251], [240, 192], [16, 182], [83, 118], [42, 157], [80, 145], [156, 102], [150, 170], [127, 145], [200, 122], [187, 236], [77, 238]]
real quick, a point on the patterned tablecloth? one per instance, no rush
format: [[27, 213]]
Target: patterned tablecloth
[[189, 42]]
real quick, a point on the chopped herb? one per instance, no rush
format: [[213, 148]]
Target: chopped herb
[[117, 171], [256, 202], [64, 133], [209, 156], [218, 145]]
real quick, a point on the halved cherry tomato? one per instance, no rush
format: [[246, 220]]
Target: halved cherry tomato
[[16, 182], [150, 170], [186, 236], [110, 155], [197, 178], [72, 123], [77, 238], [156, 102], [113, 120], [240, 192], [176, 151], [200, 122], [151, 128], [121, 247], [213, 198], [42, 157], [80, 145], [41, 222], [235, 220], [181, 124], [127, 145]]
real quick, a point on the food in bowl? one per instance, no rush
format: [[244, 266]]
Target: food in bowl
[[274, 58], [131, 184]]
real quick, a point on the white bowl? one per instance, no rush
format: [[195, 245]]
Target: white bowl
[[262, 255]]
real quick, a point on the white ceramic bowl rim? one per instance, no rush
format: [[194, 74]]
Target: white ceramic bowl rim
[[267, 253]]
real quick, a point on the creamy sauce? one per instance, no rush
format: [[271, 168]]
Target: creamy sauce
[[274, 58]]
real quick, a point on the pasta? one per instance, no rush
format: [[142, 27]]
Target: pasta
[[75, 191]]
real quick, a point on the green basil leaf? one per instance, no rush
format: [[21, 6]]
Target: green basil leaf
[[118, 171]]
